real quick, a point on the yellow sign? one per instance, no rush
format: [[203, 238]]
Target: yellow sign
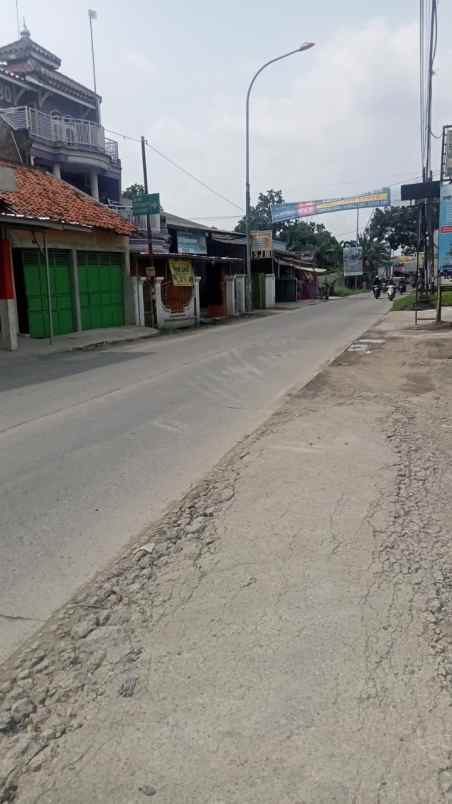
[[182, 273]]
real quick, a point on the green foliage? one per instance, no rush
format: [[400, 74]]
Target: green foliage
[[314, 237], [397, 227], [299, 236], [407, 302], [134, 191], [375, 255], [260, 215], [342, 291]]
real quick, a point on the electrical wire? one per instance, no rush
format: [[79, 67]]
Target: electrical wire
[[178, 167], [168, 159]]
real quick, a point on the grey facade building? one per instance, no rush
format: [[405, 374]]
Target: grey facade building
[[56, 121]]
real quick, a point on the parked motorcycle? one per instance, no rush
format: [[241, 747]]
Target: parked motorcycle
[[376, 290]]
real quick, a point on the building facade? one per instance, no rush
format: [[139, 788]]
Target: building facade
[[64, 259], [55, 121]]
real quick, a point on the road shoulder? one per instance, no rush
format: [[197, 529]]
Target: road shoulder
[[283, 634]]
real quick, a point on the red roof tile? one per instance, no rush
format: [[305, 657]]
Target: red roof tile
[[40, 196]]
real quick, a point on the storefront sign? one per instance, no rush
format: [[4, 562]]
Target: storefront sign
[[191, 243], [303, 209], [181, 273], [445, 235], [261, 243], [353, 261]]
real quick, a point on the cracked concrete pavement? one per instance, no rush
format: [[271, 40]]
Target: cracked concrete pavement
[[284, 633]]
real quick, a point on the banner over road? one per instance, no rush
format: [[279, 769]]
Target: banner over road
[[304, 209]]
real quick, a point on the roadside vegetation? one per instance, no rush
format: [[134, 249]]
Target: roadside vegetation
[[408, 302]]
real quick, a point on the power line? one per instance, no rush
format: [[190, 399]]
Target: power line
[[192, 176], [178, 167]]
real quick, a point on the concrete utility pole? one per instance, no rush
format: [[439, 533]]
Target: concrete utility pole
[[304, 46], [148, 218]]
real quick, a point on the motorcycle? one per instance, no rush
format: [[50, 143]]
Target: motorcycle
[[391, 292], [376, 291]]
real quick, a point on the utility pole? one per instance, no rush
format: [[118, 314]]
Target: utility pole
[[93, 16], [148, 216], [429, 248], [18, 19]]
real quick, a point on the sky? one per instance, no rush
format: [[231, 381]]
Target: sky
[[338, 119]]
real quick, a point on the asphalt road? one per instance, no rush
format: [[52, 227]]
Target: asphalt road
[[95, 445]]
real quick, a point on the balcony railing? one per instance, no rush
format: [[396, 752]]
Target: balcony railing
[[69, 131]]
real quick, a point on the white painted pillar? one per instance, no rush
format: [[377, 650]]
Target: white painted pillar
[[56, 170], [8, 324], [159, 309], [94, 183], [197, 302], [270, 294], [229, 296], [240, 297]]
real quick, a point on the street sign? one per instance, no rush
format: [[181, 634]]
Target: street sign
[[146, 204]]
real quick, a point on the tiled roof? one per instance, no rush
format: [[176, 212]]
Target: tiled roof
[[40, 196]]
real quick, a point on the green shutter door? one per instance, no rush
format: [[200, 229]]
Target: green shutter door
[[100, 278], [60, 291]]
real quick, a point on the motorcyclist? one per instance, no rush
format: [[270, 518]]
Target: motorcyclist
[[391, 290], [377, 287]]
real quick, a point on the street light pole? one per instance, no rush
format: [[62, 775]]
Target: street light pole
[[304, 46]]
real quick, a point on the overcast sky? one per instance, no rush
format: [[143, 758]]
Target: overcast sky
[[338, 119]]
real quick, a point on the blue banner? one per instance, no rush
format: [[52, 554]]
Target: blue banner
[[304, 209], [445, 235]]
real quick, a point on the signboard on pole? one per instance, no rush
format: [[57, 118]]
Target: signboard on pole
[[445, 235], [181, 273], [353, 261], [146, 204], [304, 209], [261, 243]]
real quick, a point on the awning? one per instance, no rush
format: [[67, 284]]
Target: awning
[[303, 268]]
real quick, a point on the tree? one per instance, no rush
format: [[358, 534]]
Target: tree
[[375, 255], [261, 216], [398, 227], [134, 191], [315, 237], [299, 235]]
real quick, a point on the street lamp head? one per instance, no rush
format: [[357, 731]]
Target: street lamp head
[[306, 46]]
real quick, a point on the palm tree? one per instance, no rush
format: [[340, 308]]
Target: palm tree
[[375, 256]]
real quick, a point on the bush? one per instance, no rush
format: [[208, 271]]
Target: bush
[[408, 302], [343, 291]]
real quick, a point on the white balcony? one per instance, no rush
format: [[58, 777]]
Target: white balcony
[[58, 130]]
